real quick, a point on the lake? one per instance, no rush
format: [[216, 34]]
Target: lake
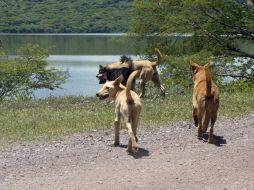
[[80, 54]]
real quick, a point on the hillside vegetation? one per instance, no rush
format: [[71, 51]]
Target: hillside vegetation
[[57, 16]]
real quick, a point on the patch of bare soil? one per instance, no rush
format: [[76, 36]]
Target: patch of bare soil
[[170, 157]]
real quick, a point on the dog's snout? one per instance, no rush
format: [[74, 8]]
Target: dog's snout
[[99, 75], [97, 94]]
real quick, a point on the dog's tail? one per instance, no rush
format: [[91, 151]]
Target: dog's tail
[[208, 75], [159, 57], [132, 77]]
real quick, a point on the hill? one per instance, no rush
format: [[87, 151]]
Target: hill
[[57, 16]]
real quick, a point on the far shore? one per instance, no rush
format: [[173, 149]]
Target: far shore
[[68, 34]]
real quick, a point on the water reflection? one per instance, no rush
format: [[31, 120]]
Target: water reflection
[[72, 44]]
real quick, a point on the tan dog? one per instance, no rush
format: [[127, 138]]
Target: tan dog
[[205, 99], [148, 72], [127, 105]]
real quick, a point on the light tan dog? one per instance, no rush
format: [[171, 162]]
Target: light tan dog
[[127, 105], [205, 99], [149, 72]]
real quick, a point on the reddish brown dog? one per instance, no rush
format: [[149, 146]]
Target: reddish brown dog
[[205, 99]]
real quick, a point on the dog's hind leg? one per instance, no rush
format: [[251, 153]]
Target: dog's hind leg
[[200, 116], [206, 121], [157, 83], [195, 111], [135, 126], [132, 145], [195, 116], [143, 86], [213, 120], [116, 128], [210, 135], [145, 75], [129, 146]]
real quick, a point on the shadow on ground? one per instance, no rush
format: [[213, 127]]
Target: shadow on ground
[[139, 154], [217, 140]]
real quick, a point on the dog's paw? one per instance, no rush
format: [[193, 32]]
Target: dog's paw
[[129, 150], [135, 149], [204, 129], [132, 150]]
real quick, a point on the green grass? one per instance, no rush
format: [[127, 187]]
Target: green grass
[[57, 117]]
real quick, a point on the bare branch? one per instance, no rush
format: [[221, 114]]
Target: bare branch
[[239, 30], [235, 76]]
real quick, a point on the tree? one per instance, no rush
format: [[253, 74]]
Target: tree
[[194, 28], [28, 72]]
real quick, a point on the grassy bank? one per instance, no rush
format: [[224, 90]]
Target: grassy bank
[[56, 117]]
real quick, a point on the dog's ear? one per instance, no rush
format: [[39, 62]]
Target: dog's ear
[[195, 67], [102, 68], [211, 63], [118, 80]]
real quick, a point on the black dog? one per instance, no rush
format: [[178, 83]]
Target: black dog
[[114, 70]]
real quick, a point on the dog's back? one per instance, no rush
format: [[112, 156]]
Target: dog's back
[[204, 88]]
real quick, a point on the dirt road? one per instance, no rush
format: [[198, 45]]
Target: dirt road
[[170, 157]]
